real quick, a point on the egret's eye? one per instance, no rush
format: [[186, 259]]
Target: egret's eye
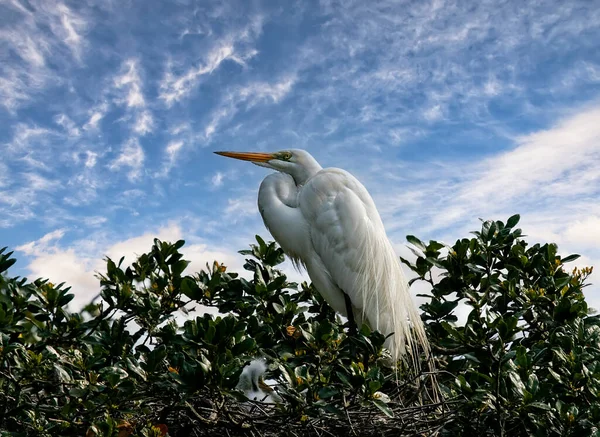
[[285, 156]]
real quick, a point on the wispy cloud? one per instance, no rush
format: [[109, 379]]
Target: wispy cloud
[[132, 158], [39, 246], [172, 152], [67, 124], [95, 116], [248, 96], [91, 159], [26, 135], [541, 161], [71, 28], [131, 82], [258, 92], [217, 180], [232, 47], [174, 88], [547, 170], [144, 123], [239, 208], [34, 33], [40, 183]]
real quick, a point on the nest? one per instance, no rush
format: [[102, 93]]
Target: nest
[[222, 415], [264, 420]]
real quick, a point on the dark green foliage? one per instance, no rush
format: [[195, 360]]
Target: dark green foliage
[[124, 365], [525, 362]]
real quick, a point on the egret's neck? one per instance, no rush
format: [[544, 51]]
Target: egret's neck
[[309, 168]]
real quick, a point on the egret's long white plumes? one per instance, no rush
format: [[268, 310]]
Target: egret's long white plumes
[[326, 221], [387, 304]]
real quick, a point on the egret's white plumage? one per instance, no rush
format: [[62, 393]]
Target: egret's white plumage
[[326, 221], [252, 384]]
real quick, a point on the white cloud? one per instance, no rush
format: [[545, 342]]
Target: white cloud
[[174, 88], [260, 91], [584, 233], [69, 126], [241, 207], [144, 123], [433, 113], [216, 118], [172, 151], [91, 159], [131, 81], [549, 176], [132, 156], [72, 28], [25, 135], [37, 182], [33, 52], [39, 246], [34, 33], [550, 172], [15, 88], [4, 174], [217, 179], [94, 221], [96, 115], [249, 95], [233, 46], [541, 159], [94, 120]]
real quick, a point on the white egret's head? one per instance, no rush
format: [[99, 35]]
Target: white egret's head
[[296, 162]]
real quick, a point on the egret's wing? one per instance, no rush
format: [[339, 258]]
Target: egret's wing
[[349, 238], [342, 230]]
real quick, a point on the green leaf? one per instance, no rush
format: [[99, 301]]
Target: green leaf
[[178, 244], [245, 346], [416, 242], [532, 384], [328, 392], [434, 246], [570, 258], [463, 384], [135, 368], [384, 408], [114, 375], [471, 357], [556, 376], [513, 220], [540, 406], [344, 378], [62, 374], [517, 383]]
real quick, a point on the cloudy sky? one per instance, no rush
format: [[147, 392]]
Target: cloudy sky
[[447, 111]]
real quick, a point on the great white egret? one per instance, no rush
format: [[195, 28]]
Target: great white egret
[[326, 221], [251, 382]]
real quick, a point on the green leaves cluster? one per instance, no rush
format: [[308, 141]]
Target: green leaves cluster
[[125, 367], [142, 362], [527, 359]]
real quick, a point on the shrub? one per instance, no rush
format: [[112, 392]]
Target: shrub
[[525, 361]]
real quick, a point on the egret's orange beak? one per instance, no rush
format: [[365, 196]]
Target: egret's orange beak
[[248, 156]]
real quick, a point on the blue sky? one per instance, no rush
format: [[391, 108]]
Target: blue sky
[[447, 112]]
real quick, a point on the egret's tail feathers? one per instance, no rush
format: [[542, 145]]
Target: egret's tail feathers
[[388, 305]]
